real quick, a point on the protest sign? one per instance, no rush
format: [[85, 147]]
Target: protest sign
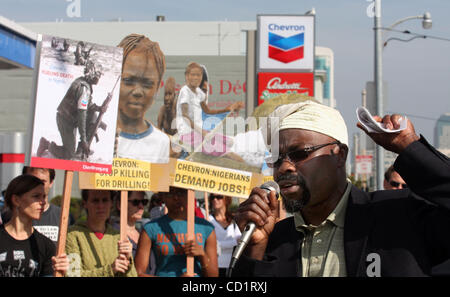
[[74, 101]]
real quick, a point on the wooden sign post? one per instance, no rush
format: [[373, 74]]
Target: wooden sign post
[[64, 218], [190, 229], [207, 205], [123, 215]]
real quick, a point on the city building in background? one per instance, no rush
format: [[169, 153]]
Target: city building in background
[[442, 134], [324, 76]]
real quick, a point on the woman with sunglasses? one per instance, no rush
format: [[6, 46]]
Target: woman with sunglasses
[[137, 201], [227, 231]]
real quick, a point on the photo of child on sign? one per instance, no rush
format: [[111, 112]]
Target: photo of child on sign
[[202, 131], [143, 70]]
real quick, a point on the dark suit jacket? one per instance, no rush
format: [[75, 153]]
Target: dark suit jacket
[[409, 233]]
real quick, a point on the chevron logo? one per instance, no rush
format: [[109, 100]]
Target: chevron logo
[[286, 49]]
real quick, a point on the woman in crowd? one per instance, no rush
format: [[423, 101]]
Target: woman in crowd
[[24, 252], [95, 245], [157, 208], [137, 200], [227, 231], [166, 238]]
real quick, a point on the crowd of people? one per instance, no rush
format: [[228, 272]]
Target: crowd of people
[[320, 212], [158, 245], [155, 246]]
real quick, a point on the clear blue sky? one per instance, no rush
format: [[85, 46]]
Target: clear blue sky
[[417, 72]]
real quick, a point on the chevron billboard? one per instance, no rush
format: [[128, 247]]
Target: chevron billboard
[[286, 42]]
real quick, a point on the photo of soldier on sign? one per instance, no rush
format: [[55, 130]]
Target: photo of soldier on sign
[[75, 105]]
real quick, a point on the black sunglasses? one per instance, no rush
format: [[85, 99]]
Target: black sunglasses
[[298, 155], [396, 184], [136, 202], [216, 197]]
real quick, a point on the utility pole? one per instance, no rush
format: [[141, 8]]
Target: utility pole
[[378, 77], [363, 138]]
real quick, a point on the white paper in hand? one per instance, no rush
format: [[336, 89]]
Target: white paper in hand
[[372, 126]]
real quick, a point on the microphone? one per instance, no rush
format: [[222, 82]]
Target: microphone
[[249, 229]]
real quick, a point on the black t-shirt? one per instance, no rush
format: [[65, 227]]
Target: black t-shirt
[[25, 258], [49, 222]]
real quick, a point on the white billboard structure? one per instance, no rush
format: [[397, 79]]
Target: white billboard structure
[[286, 43]]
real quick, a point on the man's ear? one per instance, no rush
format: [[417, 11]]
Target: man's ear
[[341, 150]]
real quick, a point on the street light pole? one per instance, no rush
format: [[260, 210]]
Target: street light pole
[[378, 77], [427, 23]]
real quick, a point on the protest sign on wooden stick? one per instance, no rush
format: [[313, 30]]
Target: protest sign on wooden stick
[[207, 206], [64, 218], [123, 214], [190, 229]]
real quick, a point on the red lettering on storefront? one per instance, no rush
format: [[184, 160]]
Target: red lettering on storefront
[[229, 87]]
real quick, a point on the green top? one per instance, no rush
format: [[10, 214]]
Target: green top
[[323, 246], [92, 257]]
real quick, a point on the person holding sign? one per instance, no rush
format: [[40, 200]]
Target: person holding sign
[[94, 246], [191, 102], [24, 252], [142, 72], [166, 238], [137, 200]]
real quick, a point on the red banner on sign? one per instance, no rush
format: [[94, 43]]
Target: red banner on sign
[[70, 165], [272, 84]]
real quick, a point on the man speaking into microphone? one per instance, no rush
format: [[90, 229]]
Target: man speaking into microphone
[[337, 229]]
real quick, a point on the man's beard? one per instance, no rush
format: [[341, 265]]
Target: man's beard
[[295, 205]]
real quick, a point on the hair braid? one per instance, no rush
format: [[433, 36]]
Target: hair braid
[[141, 42]]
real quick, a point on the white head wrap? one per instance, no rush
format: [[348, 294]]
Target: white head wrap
[[312, 116]]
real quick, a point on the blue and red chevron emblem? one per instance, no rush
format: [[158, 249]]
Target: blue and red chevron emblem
[[286, 49]]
